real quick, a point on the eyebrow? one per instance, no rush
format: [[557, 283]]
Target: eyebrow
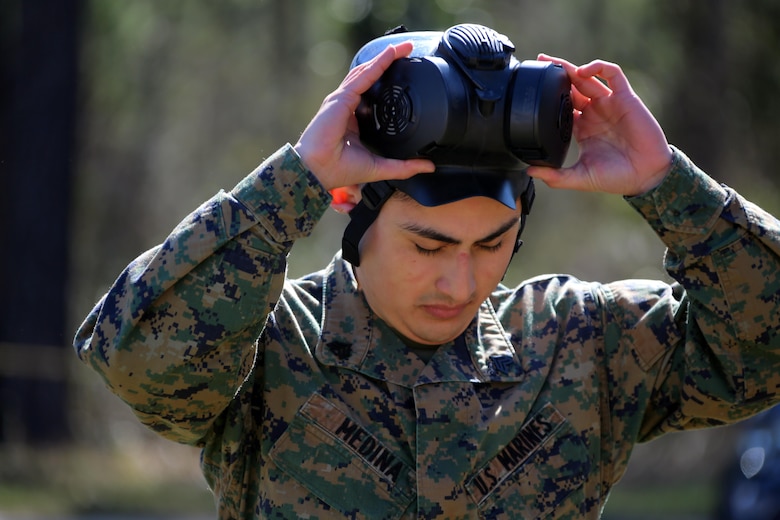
[[433, 234]]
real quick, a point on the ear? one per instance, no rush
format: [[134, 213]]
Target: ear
[[345, 198]]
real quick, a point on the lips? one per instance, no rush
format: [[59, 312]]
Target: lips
[[444, 312]]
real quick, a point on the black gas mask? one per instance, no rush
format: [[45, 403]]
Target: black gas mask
[[462, 100]]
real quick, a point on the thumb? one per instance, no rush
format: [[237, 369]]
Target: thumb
[[553, 177], [575, 177], [388, 169]]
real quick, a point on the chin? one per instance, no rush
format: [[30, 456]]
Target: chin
[[438, 339]]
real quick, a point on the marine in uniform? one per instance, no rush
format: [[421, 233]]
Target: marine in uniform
[[316, 398]]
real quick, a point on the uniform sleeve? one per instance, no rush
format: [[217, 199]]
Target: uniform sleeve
[[174, 337], [708, 347]]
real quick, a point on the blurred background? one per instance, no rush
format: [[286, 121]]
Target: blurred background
[[117, 118]]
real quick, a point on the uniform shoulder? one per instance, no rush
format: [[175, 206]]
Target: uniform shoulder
[[549, 290], [554, 283]]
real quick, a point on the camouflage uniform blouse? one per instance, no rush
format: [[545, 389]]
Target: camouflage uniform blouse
[[306, 405]]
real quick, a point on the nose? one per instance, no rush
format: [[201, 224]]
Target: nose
[[457, 280]]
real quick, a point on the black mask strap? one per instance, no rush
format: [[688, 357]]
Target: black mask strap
[[526, 200], [374, 195]]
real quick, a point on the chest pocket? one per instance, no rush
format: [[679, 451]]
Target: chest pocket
[[343, 464], [539, 473]]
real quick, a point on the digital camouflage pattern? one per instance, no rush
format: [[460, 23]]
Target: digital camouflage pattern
[[307, 405]]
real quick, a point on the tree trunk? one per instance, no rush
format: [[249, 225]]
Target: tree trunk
[[39, 47]]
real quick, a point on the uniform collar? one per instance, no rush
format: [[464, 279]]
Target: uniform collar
[[355, 339]]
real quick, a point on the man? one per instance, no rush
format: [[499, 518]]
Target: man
[[410, 382]]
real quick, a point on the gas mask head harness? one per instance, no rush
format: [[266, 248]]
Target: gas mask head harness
[[462, 100]]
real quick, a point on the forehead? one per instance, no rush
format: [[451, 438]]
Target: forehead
[[477, 216]]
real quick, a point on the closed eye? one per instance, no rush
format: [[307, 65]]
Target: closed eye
[[491, 249], [483, 247], [427, 252]]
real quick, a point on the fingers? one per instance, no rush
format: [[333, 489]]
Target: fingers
[[610, 72], [329, 145], [569, 67], [583, 88], [588, 78], [360, 79]]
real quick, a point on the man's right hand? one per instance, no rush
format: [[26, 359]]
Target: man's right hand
[[330, 146]]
